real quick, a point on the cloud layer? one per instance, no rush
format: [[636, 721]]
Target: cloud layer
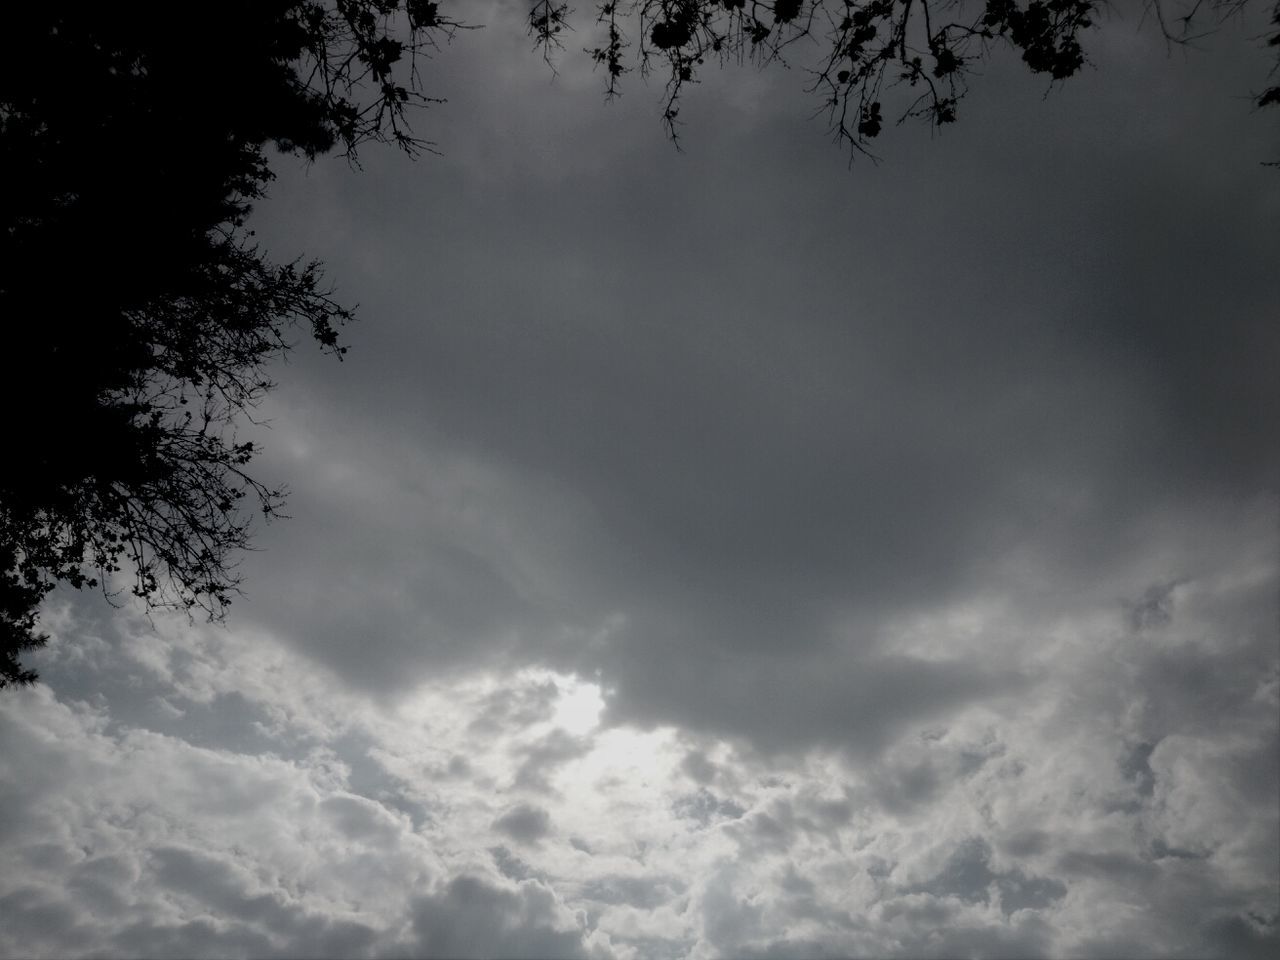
[[723, 553], [1121, 803]]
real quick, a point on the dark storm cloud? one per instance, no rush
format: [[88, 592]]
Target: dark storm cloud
[[1243, 937], [758, 416]]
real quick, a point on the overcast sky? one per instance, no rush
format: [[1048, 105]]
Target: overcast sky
[[724, 553]]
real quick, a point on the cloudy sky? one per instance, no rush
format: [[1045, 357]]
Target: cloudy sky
[[724, 553]]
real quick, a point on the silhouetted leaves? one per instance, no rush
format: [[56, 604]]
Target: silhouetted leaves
[[911, 58], [1271, 95], [139, 317]]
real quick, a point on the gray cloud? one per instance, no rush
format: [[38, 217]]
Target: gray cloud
[[541, 760], [646, 892], [521, 705], [524, 823], [968, 875], [705, 807], [471, 918], [760, 438]]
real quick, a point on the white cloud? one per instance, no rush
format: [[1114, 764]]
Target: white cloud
[[1107, 805]]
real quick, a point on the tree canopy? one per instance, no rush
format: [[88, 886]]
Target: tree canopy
[[141, 319]]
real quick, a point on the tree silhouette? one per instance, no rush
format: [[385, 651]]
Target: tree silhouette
[[869, 61], [140, 317]]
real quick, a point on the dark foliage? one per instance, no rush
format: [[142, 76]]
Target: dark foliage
[[138, 314]]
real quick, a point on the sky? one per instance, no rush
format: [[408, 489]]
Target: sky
[[736, 552]]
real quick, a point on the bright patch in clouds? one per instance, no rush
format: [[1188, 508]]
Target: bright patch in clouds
[[492, 816], [579, 707]]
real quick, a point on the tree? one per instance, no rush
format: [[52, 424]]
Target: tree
[[140, 317]]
